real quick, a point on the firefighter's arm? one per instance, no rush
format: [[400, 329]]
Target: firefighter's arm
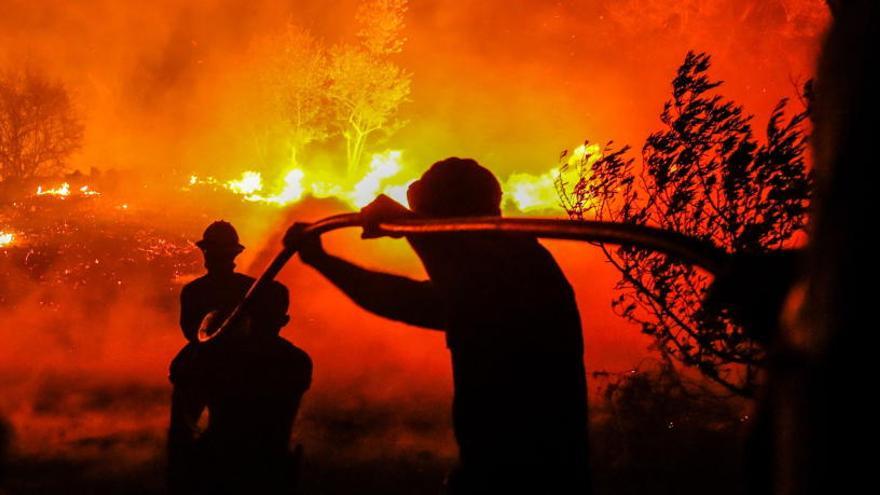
[[391, 296], [190, 319]]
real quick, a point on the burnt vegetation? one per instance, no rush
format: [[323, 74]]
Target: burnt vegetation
[[706, 175]]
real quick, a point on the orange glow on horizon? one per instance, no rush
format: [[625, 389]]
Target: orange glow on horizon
[[183, 126], [174, 104], [387, 174]]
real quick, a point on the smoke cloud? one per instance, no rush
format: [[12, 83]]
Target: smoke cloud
[[163, 89]]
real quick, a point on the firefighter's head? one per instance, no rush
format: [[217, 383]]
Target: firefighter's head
[[268, 314], [220, 246], [456, 187]]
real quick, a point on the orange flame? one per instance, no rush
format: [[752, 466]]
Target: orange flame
[[387, 174], [64, 191], [529, 193]]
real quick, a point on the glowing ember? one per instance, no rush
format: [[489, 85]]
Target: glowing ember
[[86, 191], [6, 238]]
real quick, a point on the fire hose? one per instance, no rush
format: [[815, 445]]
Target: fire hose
[[679, 246]]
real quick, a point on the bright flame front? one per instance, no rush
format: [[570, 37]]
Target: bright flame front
[[64, 191], [61, 191], [388, 174]]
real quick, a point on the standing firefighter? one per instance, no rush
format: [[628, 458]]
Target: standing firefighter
[[250, 381], [512, 328]]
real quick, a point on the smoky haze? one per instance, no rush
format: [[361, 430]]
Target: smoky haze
[[509, 82], [164, 89]]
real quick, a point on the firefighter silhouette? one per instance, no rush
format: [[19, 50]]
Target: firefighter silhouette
[[251, 383], [512, 328]]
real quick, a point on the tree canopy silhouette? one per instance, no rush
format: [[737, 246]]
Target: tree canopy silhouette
[[39, 127], [703, 174]]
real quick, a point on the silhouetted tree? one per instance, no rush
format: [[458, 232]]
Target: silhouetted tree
[[366, 85], [39, 128], [704, 175]]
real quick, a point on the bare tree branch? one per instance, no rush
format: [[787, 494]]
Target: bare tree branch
[[39, 128]]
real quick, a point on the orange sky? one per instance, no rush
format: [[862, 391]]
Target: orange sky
[[510, 83]]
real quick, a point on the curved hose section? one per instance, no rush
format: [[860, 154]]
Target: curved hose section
[[685, 248], [674, 244]]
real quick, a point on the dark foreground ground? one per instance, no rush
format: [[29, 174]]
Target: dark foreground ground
[[91, 437], [88, 303]]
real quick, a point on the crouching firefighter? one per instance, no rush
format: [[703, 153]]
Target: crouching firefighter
[[250, 381]]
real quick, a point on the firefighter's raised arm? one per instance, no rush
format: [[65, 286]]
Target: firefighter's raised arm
[[392, 296]]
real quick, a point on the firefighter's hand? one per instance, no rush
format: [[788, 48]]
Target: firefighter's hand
[[307, 245], [382, 209]]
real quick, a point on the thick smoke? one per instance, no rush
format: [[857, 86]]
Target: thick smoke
[[510, 83], [160, 88]]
